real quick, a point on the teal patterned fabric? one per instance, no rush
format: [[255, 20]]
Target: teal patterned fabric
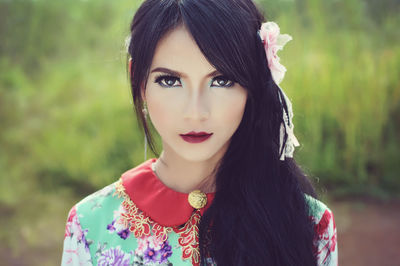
[[106, 228]]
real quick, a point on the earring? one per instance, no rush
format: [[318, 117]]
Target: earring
[[145, 112]]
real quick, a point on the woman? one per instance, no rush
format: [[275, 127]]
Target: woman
[[224, 190]]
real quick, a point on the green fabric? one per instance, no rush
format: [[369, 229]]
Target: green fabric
[[94, 236]]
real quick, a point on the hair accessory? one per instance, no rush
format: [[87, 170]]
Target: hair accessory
[[273, 41]]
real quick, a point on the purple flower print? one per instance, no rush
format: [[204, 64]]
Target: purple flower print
[[165, 247], [150, 255], [165, 252], [111, 227], [84, 240], [119, 225], [121, 230], [124, 234], [153, 250], [164, 256], [114, 256]]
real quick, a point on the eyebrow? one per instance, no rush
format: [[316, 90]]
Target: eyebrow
[[176, 73]]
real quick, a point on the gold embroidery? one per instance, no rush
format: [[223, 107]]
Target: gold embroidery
[[137, 222], [142, 225], [120, 190], [189, 238], [160, 231]]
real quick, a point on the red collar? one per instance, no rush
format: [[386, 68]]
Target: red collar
[[161, 203]]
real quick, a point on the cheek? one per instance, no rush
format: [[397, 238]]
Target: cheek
[[230, 110], [161, 111]]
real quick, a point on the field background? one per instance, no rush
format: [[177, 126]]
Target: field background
[[68, 126]]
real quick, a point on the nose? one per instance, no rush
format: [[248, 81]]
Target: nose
[[197, 106]]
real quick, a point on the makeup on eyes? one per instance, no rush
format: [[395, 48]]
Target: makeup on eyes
[[159, 78], [163, 77]]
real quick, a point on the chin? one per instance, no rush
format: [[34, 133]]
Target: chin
[[200, 155], [197, 152], [196, 156]]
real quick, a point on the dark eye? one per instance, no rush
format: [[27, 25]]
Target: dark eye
[[222, 81], [167, 81]]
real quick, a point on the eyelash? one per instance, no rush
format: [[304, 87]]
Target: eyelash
[[160, 78]]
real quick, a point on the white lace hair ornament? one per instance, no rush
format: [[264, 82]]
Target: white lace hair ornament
[[273, 41]]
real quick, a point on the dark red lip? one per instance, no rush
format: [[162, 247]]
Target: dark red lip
[[195, 137], [197, 134]]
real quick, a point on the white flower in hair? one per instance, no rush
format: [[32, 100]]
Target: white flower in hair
[[273, 41]]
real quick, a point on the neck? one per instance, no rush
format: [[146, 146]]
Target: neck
[[185, 176]]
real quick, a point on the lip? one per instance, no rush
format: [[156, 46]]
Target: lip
[[195, 137]]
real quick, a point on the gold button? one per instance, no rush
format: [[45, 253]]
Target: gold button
[[197, 199]]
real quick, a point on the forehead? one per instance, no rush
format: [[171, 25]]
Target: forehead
[[178, 50]]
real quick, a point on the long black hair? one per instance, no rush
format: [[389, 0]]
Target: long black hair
[[259, 215]]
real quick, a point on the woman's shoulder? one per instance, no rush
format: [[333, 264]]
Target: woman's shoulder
[[109, 198], [325, 241], [98, 206], [316, 207], [93, 232], [104, 197], [321, 215]]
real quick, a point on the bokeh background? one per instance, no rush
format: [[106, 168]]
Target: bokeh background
[[68, 126]]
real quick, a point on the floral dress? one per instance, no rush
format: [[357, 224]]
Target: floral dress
[[121, 225]]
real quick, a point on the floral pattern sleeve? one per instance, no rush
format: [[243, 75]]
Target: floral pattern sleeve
[[76, 250], [325, 242]]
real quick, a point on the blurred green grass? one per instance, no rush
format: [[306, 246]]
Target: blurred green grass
[[68, 126]]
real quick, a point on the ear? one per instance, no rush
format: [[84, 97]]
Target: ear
[[130, 65]]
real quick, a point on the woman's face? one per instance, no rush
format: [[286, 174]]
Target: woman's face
[[184, 94]]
